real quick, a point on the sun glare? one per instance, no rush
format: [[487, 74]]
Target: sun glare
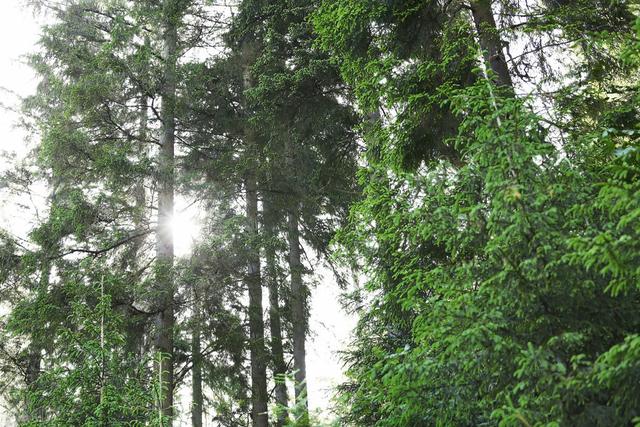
[[186, 229]]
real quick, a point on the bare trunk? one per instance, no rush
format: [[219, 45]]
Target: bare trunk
[[32, 371], [196, 371], [298, 315], [490, 42], [165, 320], [135, 321], [40, 340], [298, 298], [34, 357], [275, 323], [258, 355], [257, 351]]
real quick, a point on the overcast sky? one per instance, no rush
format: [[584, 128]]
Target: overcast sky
[[330, 326], [19, 33]]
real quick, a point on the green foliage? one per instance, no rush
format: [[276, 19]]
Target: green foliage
[[501, 281], [89, 378], [498, 232]]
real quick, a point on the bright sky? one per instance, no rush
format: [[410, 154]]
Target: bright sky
[[19, 32], [330, 326]]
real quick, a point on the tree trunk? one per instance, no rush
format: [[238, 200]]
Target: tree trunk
[[259, 394], [298, 314], [490, 42], [275, 323], [298, 294], [34, 356], [164, 245], [135, 322], [257, 351], [196, 372], [39, 341]]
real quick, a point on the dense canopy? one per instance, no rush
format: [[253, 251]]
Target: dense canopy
[[466, 172]]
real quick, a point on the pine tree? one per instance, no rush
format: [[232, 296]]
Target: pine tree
[[475, 162], [478, 299], [317, 147]]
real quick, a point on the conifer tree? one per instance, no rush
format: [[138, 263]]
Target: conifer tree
[[475, 162], [471, 263]]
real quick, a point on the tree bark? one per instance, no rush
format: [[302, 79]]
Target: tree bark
[[135, 322], [257, 351], [275, 322], [196, 372], [165, 320], [34, 355], [490, 42], [39, 337], [298, 299], [259, 394], [298, 315]]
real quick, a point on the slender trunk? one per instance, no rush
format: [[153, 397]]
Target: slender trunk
[[103, 358], [298, 314], [32, 371], [40, 339], [196, 371], [275, 323], [298, 299], [136, 322], [165, 320], [34, 357], [258, 355], [490, 42]]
